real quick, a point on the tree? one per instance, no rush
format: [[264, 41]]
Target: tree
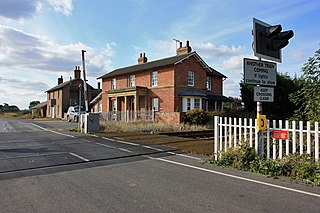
[[282, 107], [33, 103], [307, 98]]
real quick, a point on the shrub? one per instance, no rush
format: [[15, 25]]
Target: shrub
[[295, 166], [196, 117]]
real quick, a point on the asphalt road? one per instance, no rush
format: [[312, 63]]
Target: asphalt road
[[44, 168]]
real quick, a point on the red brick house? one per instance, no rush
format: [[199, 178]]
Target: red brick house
[[174, 84], [66, 94]]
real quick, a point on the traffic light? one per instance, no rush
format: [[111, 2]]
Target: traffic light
[[269, 40]]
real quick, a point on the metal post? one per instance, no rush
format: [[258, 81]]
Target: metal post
[[79, 123], [260, 132], [85, 94]]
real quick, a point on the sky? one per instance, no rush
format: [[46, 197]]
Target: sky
[[40, 40]]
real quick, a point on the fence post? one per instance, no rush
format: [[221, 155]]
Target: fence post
[[287, 141], [308, 138], [294, 142], [230, 132], [250, 132], [280, 141], [301, 136], [240, 130], [225, 134], [235, 133], [216, 129], [274, 145]]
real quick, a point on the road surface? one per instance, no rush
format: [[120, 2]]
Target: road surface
[[44, 168]]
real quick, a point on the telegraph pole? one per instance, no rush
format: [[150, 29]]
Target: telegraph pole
[[85, 94]]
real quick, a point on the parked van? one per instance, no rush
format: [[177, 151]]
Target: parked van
[[73, 113]]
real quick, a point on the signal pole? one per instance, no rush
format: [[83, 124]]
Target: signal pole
[[85, 93]]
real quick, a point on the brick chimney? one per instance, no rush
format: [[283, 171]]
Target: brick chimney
[[60, 80], [142, 59], [184, 50], [99, 86], [77, 73]]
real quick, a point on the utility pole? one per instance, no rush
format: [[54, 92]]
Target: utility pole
[[85, 94]]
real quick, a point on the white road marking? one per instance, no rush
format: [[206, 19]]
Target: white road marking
[[182, 155], [49, 130], [78, 156], [125, 150], [101, 144], [109, 139], [236, 177], [149, 147], [86, 140], [129, 143]]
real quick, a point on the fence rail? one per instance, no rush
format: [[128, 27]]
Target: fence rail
[[128, 115], [303, 138]]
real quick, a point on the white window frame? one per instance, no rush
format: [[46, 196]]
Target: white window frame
[[209, 83], [99, 107], [154, 78], [132, 80], [188, 104], [114, 83], [191, 78], [155, 104], [191, 102], [197, 103]]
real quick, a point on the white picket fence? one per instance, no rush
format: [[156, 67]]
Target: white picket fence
[[228, 132]]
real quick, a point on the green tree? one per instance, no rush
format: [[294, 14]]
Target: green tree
[[33, 103], [307, 98], [282, 107]]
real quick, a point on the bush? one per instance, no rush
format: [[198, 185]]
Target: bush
[[196, 117], [295, 166]]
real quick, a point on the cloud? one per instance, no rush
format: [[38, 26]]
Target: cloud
[[25, 85], [21, 92], [24, 50], [19, 9], [62, 6], [231, 88], [209, 50]]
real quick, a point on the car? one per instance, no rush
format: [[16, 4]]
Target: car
[[73, 113]]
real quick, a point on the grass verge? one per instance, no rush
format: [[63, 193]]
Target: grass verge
[[294, 166]]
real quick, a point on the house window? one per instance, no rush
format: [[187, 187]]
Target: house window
[[58, 94], [155, 104], [188, 103], [132, 80], [99, 107], [208, 82], [191, 102], [190, 78], [197, 103], [154, 79], [114, 84]]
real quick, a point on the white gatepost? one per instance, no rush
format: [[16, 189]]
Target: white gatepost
[[316, 141], [216, 132]]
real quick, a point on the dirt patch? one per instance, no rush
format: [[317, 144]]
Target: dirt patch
[[187, 145]]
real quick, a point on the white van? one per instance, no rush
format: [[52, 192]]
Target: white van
[[73, 113]]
